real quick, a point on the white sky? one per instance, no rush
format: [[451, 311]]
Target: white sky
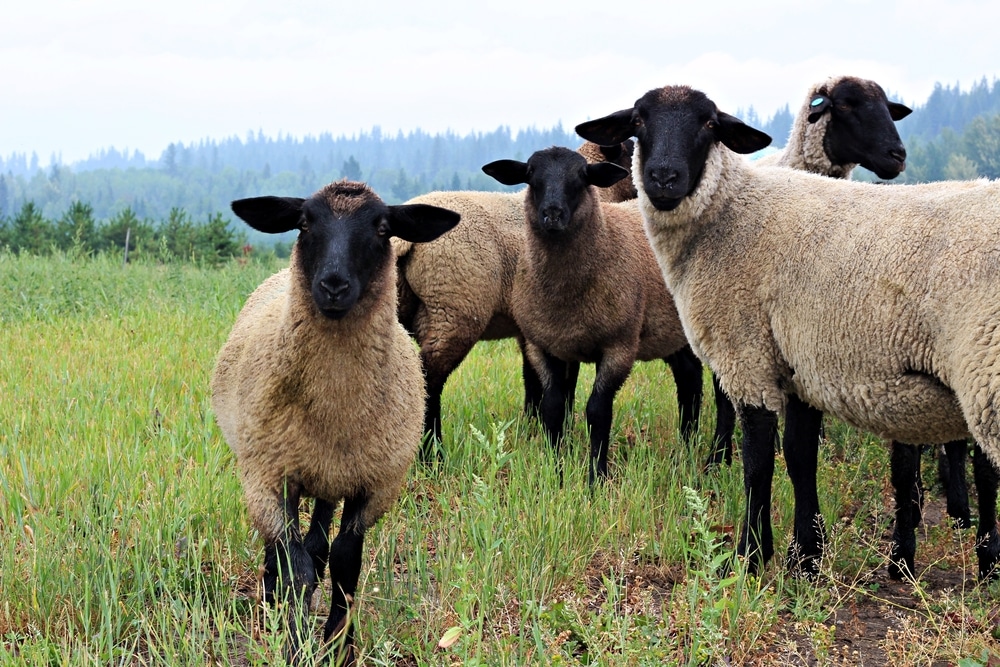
[[76, 77]]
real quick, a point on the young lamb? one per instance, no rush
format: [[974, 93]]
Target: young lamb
[[587, 289], [319, 392], [456, 291], [892, 323]]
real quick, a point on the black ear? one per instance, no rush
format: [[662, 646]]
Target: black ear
[[271, 215], [610, 130], [817, 107], [739, 137], [605, 174], [420, 223], [508, 172], [611, 153], [899, 111]]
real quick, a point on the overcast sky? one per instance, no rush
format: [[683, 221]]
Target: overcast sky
[[76, 77]]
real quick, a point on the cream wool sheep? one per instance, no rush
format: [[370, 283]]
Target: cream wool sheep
[[879, 305], [620, 154], [843, 122], [319, 392], [587, 290]]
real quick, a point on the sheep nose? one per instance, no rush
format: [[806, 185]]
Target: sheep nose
[[663, 177], [898, 154], [552, 215], [334, 287]]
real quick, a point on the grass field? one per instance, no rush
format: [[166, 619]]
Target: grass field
[[124, 540]]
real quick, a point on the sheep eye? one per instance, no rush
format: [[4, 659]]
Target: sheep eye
[[383, 228], [711, 124], [304, 224], [843, 106]]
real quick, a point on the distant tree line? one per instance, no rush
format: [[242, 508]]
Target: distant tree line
[[174, 238], [953, 135]]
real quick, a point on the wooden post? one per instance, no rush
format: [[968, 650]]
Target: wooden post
[[128, 234]]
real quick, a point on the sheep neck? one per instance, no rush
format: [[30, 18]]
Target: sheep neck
[[567, 263], [806, 151]]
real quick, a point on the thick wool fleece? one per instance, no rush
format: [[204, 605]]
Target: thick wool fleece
[[878, 304], [336, 406]]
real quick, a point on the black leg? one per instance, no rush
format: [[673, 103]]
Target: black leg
[[686, 368], [533, 388], [951, 469], [345, 569], [905, 465], [317, 541], [600, 411], [725, 427], [290, 575], [801, 446], [760, 428], [430, 449], [555, 400], [987, 539]]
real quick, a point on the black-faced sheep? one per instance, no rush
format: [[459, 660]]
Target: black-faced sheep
[[879, 305], [587, 290], [457, 291], [319, 392]]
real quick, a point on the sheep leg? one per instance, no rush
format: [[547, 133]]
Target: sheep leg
[[317, 541], [289, 574], [760, 428], [600, 407], [725, 426], [345, 569], [554, 399], [987, 539], [439, 359], [905, 465], [533, 386], [802, 428], [951, 471], [686, 368]]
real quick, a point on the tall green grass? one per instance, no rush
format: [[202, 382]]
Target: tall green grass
[[124, 540]]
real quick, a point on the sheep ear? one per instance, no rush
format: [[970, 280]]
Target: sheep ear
[[612, 129], [899, 111], [271, 215], [739, 137], [613, 152], [817, 107], [508, 172], [605, 174], [420, 223]]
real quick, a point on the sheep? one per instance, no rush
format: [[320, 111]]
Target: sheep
[[893, 326], [843, 122], [587, 290], [318, 390], [456, 291]]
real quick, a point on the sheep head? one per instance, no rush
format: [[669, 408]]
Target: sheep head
[[344, 232], [675, 127], [558, 183]]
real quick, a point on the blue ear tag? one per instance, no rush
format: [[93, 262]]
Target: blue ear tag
[[816, 102]]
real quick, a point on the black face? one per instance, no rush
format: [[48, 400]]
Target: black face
[[862, 128], [341, 252], [674, 137], [675, 127], [557, 178]]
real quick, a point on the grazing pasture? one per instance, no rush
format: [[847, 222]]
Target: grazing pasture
[[124, 539]]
